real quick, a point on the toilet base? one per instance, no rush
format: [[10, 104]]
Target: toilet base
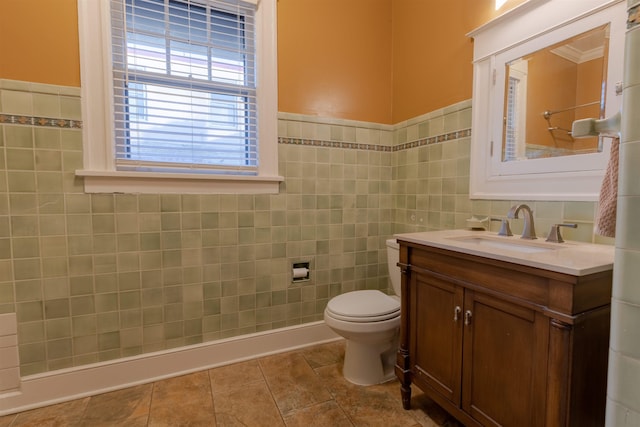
[[370, 363]]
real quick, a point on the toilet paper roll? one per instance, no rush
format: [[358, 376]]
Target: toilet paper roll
[[300, 273]]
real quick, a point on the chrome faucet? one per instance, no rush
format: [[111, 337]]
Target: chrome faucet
[[529, 231]]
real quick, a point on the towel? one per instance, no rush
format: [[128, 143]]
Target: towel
[[608, 202]]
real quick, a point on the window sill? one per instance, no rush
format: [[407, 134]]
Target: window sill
[[96, 181]]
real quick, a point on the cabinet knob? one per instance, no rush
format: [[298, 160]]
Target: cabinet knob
[[467, 317], [456, 313]]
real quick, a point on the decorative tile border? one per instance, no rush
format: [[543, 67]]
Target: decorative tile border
[[333, 144], [465, 133], [77, 124], [40, 121]]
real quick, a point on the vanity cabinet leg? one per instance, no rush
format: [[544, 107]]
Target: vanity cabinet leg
[[405, 391], [403, 372]]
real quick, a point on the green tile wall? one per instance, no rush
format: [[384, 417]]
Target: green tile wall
[[431, 183], [95, 277]]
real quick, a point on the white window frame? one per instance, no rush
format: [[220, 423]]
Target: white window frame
[[99, 173]]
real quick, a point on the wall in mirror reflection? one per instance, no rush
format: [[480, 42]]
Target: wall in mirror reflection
[[549, 89]]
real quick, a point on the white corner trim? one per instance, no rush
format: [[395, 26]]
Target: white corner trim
[[74, 383]]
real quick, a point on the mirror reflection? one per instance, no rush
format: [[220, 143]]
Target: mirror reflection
[[549, 89]]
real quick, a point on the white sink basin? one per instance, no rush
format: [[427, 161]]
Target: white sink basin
[[525, 246]]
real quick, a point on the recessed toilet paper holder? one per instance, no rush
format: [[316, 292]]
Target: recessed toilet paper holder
[[300, 271]]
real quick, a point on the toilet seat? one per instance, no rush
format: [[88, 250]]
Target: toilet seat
[[363, 306]]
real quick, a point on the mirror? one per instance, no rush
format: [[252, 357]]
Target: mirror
[[547, 90], [536, 69]]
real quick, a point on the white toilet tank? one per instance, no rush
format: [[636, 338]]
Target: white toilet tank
[[393, 256]]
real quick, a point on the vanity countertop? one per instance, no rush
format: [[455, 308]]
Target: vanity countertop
[[575, 258]]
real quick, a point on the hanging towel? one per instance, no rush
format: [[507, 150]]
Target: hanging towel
[[608, 203]]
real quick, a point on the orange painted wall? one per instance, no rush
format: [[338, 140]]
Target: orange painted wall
[[588, 90], [334, 58], [547, 70], [373, 60], [572, 84], [432, 56], [39, 41]]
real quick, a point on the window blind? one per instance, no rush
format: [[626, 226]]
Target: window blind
[[184, 79]]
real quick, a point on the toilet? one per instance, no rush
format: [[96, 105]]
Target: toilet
[[369, 320]]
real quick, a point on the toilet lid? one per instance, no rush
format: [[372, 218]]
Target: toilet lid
[[363, 306]]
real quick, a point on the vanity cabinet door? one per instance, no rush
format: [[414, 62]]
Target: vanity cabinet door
[[437, 336], [504, 360]]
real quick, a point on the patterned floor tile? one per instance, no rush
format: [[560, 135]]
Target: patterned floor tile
[[251, 405], [182, 401], [62, 414], [292, 382], [320, 415], [299, 388], [126, 407]]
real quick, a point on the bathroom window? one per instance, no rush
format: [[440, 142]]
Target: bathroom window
[[515, 114], [511, 128], [190, 96]]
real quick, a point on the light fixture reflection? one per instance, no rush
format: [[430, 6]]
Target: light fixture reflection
[[500, 3]]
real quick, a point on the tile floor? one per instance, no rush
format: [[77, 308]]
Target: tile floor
[[299, 388]]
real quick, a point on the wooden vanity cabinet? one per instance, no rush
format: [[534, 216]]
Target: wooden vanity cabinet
[[501, 344]]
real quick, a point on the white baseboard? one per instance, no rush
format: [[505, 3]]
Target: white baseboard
[[74, 383]]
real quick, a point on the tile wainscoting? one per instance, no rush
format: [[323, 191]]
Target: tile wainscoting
[[98, 277]]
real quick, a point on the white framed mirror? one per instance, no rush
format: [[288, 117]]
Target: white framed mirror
[[537, 68]]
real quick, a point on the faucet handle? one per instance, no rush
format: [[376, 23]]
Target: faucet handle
[[505, 230], [554, 233]]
